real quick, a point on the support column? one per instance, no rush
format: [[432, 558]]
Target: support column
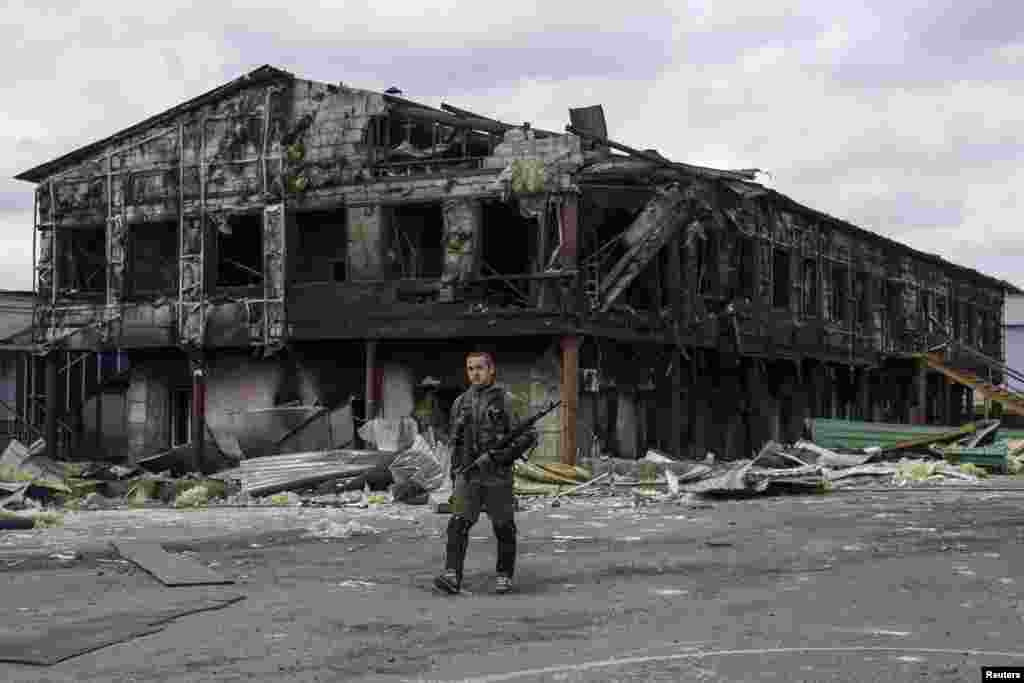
[[198, 413], [695, 418], [570, 397], [570, 231], [98, 436], [863, 395], [52, 405], [920, 388], [374, 381], [675, 291], [947, 400]]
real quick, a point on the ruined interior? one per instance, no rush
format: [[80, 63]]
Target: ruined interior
[[281, 242]]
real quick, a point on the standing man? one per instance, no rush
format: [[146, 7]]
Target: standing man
[[481, 417]]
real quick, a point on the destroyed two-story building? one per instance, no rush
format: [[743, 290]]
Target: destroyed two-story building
[[280, 244]]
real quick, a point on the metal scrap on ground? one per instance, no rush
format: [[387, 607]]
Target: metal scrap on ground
[[171, 570]]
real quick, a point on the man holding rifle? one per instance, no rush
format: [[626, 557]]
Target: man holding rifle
[[486, 441]]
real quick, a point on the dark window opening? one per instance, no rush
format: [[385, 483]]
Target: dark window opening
[[321, 247], [611, 432], [744, 265], [181, 416], [416, 248], [154, 258], [641, 293], [894, 306], [970, 328], [780, 279], [240, 251], [925, 309], [839, 293], [405, 144], [509, 240], [862, 285], [706, 265], [810, 287], [940, 312], [83, 255]]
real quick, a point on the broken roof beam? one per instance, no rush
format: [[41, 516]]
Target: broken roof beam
[[741, 174], [418, 112], [466, 114], [655, 227]]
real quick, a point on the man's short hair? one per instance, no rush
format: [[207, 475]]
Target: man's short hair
[[482, 354]]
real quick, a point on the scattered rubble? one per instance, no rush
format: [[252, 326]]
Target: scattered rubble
[[415, 470]]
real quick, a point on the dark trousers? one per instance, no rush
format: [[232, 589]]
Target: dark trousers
[[482, 492]]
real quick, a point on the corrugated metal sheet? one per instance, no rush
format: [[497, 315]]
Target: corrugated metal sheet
[[851, 434], [991, 456]]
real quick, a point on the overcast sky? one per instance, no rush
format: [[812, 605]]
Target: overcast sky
[[902, 116]]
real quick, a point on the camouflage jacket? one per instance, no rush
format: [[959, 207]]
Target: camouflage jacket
[[480, 418]]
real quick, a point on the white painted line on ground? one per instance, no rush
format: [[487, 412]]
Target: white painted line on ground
[[622, 661]]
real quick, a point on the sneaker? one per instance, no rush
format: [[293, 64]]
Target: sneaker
[[448, 582], [502, 584]]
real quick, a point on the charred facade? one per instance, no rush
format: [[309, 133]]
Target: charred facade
[[283, 242]]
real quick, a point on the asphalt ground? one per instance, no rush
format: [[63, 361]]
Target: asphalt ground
[[881, 585]]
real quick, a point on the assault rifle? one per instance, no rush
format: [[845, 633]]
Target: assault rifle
[[523, 427]]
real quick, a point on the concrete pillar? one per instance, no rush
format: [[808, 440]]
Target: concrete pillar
[[462, 222], [367, 230], [570, 397], [397, 399], [374, 381], [626, 424]]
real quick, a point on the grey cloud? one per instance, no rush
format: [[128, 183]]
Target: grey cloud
[[15, 202], [958, 28], [911, 210]]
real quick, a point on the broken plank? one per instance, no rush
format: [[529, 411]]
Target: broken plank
[[655, 227], [170, 570]]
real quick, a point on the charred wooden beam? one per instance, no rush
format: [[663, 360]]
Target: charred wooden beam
[[415, 112], [466, 114], [740, 174], [653, 228]]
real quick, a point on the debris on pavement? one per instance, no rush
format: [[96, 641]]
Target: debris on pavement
[[333, 528], [422, 467], [170, 570]]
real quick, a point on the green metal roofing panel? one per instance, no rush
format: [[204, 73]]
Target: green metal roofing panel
[[829, 433]]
